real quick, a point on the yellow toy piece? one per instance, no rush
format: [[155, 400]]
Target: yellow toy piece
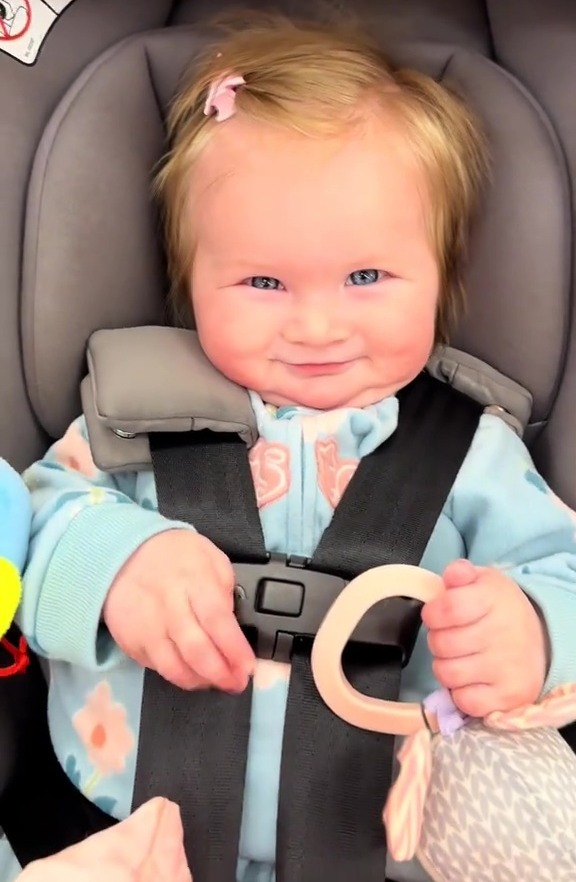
[[10, 593]]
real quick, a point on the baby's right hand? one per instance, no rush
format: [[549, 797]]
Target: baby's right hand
[[171, 608]]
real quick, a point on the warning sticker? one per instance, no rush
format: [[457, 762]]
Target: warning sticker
[[58, 5], [24, 25]]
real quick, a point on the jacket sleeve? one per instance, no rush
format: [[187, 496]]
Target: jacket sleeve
[[510, 518], [85, 525]]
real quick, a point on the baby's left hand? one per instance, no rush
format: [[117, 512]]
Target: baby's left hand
[[489, 644]]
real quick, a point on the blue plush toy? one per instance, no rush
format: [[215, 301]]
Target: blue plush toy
[[15, 520]]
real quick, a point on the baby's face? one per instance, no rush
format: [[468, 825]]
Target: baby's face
[[314, 282]]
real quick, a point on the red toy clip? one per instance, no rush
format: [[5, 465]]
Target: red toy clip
[[19, 654]]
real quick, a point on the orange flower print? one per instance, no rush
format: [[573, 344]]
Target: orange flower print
[[73, 452], [334, 473], [103, 729], [270, 464]]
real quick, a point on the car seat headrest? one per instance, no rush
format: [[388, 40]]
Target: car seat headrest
[[92, 255]]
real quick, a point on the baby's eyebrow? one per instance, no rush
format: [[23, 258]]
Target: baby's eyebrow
[[343, 263], [263, 267]]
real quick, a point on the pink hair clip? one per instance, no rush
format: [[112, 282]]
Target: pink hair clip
[[222, 96]]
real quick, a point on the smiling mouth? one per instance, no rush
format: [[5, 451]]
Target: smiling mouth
[[320, 369]]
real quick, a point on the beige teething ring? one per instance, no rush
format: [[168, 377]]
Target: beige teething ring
[[359, 596]]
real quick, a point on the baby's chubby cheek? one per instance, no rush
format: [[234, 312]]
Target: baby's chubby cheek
[[398, 354], [232, 346]]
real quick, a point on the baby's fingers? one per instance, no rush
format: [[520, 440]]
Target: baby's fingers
[[200, 654], [215, 615], [165, 659], [457, 608]]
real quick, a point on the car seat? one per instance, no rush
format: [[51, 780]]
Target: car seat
[[80, 249]]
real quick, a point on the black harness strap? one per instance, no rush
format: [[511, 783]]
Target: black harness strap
[[203, 479], [193, 750], [399, 491], [335, 778]]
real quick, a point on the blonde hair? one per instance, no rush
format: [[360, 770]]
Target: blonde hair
[[316, 79]]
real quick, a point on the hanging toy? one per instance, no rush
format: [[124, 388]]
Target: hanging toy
[[490, 800], [15, 521]]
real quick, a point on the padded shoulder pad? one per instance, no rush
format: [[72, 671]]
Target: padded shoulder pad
[[155, 379], [484, 384]]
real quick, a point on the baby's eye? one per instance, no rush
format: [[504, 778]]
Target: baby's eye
[[364, 277], [267, 283]]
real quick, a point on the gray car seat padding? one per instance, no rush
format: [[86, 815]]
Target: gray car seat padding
[[157, 379], [541, 53], [29, 95], [168, 385], [461, 23], [92, 257]]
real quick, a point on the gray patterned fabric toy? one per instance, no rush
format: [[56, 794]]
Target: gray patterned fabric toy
[[500, 803], [490, 800]]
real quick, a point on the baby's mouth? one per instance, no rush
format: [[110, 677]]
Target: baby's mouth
[[319, 368]]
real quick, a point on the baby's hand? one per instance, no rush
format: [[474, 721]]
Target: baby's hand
[[488, 642], [146, 847], [171, 608]]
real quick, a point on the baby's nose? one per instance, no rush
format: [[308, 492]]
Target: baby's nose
[[316, 324]]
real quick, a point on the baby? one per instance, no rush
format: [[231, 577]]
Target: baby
[[317, 207]]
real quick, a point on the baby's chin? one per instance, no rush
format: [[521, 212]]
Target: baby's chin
[[327, 399]]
